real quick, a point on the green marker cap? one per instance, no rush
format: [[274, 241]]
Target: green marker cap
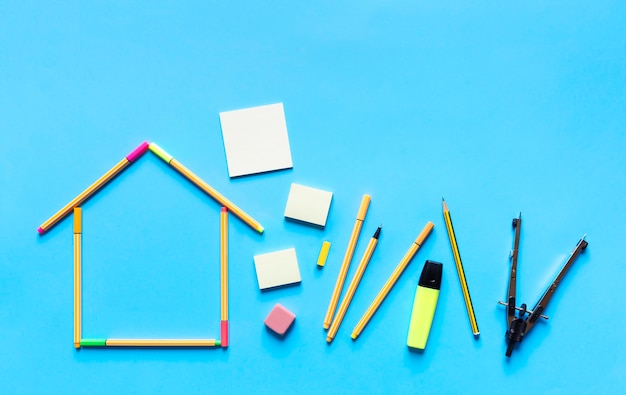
[[93, 342]]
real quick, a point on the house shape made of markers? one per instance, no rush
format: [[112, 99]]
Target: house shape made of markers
[[74, 207]]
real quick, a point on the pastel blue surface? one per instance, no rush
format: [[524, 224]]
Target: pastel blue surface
[[500, 107]]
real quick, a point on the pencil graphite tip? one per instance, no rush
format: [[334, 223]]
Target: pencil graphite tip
[[445, 206]]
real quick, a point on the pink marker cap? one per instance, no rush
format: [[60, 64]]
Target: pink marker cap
[[137, 152], [224, 333]]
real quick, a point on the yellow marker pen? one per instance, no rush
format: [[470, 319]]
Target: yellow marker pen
[[424, 305]]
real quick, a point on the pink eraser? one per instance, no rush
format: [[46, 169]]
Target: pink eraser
[[224, 333], [279, 319], [137, 152], [40, 230], [224, 209]]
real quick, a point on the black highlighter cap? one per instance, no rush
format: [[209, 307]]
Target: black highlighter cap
[[431, 275]]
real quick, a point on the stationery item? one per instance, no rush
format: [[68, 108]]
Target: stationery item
[[424, 305], [224, 275], [519, 326], [104, 342], [93, 188], [256, 140], [276, 269], [149, 343], [78, 230], [279, 320], [77, 244], [395, 275], [308, 205], [345, 265], [334, 327], [510, 311], [93, 342], [321, 259], [209, 190], [459, 269]]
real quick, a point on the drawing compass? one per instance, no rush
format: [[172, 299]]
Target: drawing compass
[[519, 325]]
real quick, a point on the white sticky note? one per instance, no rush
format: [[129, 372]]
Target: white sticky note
[[256, 140], [308, 204], [277, 268]]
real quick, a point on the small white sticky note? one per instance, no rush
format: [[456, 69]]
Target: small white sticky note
[[308, 204], [256, 140], [278, 268]]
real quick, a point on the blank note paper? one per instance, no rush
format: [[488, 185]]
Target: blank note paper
[[277, 269], [256, 140], [308, 205]]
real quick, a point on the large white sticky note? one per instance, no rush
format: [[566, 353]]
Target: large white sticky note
[[308, 204], [256, 140], [278, 268]]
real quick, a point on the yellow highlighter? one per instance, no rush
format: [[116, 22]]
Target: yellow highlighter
[[424, 304]]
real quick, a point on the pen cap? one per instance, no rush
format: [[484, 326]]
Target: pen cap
[[431, 275]]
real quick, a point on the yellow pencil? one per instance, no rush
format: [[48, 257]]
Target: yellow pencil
[[161, 343], [93, 188], [353, 285], [209, 190], [334, 299], [369, 313], [459, 269], [78, 230], [224, 275]]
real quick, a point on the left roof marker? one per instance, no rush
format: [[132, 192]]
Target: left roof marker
[[93, 188]]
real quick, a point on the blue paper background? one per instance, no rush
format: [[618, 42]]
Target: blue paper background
[[500, 107]]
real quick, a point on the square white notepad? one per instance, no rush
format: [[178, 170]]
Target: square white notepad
[[256, 140], [308, 204], [277, 268]]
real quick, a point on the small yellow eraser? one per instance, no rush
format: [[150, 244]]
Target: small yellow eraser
[[321, 260]]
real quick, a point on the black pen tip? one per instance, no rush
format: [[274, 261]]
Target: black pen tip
[[377, 233]]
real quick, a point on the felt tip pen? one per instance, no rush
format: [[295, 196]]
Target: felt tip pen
[[424, 304]]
